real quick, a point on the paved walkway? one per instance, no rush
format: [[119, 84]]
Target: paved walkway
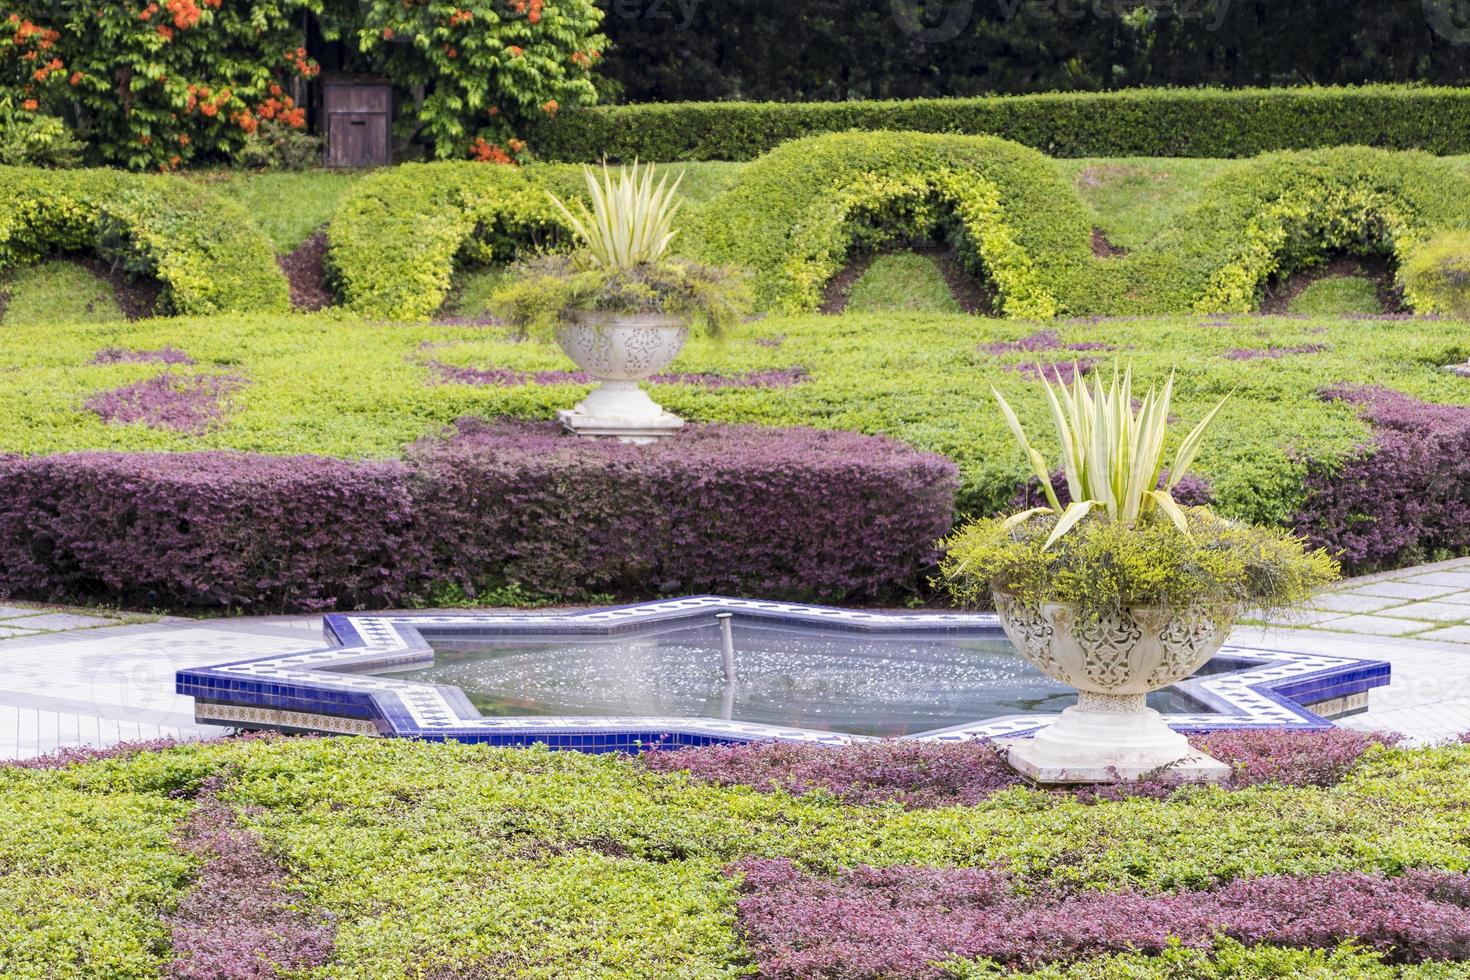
[[73, 678]]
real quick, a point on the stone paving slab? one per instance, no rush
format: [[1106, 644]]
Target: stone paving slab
[[100, 686]]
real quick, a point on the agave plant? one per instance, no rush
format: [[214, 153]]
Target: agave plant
[[1112, 455], [631, 219]]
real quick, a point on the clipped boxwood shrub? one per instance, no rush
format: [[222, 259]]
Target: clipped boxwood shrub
[[396, 236], [205, 249], [1271, 216], [778, 513], [1436, 278], [1137, 122], [794, 214], [1286, 210]]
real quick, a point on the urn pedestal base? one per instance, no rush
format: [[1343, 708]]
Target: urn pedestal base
[[620, 410], [1110, 739]]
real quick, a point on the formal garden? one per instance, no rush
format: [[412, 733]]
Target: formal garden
[[898, 418]]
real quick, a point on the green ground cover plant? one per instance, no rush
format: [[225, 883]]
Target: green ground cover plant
[[346, 387], [902, 282], [1337, 295], [57, 291], [585, 866]]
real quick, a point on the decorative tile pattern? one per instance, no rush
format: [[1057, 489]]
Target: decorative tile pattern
[[329, 685]]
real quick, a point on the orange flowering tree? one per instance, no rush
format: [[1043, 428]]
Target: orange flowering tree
[[153, 85], [487, 66]]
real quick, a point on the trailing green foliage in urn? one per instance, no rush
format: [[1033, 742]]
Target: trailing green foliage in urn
[[1219, 567]]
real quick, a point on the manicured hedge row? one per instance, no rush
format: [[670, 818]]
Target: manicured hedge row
[[1137, 122], [396, 236], [205, 249], [207, 529], [793, 513]]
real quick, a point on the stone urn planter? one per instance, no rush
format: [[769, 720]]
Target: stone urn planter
[[619, 350], [1111, 734]]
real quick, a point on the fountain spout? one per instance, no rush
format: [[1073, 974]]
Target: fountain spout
[[727, 644]]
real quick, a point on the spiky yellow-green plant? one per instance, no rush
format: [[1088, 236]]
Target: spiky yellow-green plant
[[1112, 455], [631, 219]]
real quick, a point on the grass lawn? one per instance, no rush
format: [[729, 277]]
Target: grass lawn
[[288, 206], [1134, 198], [337, 386]]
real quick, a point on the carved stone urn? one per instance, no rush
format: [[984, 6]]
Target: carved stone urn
[[1111, 734], [619, 350]]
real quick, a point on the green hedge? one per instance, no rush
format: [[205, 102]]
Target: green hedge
[[207, 252], [795, 213], [1137, 122], [1274, 215], [395, 239]]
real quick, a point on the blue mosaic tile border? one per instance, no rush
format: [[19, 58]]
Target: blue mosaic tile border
[[1270, 688]]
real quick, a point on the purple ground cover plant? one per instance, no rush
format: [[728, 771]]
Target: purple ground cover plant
[[239, 921], [900, 921], [774, 341], [1062, 372], [167, 354], [184, 403], [1401, 498], [1041, 340], [923, 774], [1272, 353]]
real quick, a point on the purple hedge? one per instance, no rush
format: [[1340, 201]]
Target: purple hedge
[[743, 510], [206, 529], [796, 514], [902, 921], [1403, 499]]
